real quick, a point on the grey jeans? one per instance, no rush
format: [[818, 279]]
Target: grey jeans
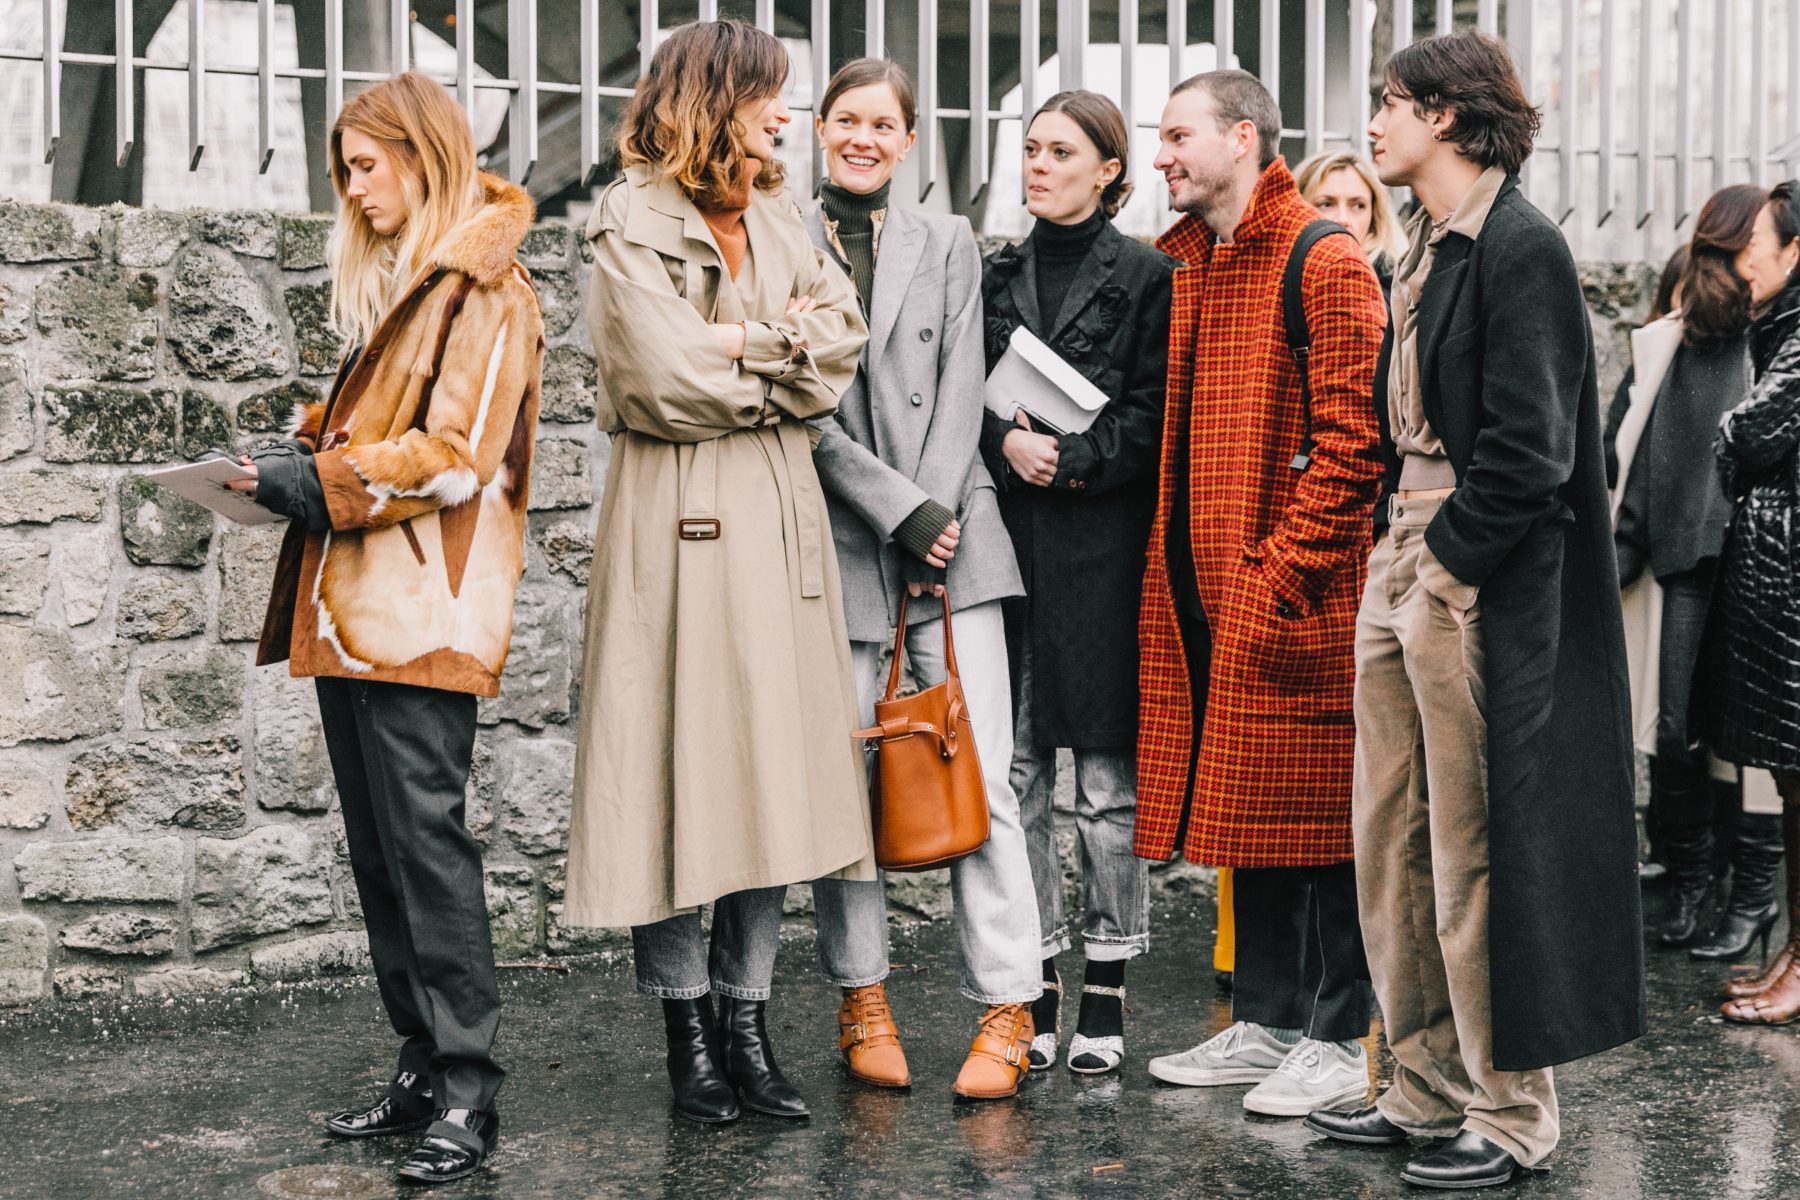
[[996, 915], [1115, 882], [675, 963]]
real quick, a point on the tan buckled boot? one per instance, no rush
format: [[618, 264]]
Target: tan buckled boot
[[870, 1040], [999, 1056]]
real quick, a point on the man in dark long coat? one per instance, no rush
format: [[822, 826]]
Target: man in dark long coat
[[1249, 614], [1495, 843]]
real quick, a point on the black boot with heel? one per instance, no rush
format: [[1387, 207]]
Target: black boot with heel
[[1753, 909], [697, 1062], [750, 1061]]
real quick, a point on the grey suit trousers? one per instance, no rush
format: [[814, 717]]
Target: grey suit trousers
[[401, 757]]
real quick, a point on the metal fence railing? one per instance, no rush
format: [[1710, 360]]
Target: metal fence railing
[[1647, 102]]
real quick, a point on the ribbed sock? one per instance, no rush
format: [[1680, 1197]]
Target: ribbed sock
[[1102, 1016], [1282, 1034], [1043, 1009]]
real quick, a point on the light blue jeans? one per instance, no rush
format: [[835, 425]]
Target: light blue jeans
[[674, 961], [996, 911]]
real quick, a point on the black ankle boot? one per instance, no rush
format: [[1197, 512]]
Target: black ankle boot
[[750, 1061], [1753, 909], [696, 1062]]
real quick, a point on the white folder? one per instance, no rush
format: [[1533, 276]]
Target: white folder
[[204, 483], [1033, 377]]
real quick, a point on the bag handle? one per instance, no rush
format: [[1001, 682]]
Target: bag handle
[[893, 684]]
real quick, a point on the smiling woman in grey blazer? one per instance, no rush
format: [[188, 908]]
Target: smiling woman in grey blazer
[[912, 507]]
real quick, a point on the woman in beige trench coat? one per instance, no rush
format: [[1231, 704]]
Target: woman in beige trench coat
[[715, 761]]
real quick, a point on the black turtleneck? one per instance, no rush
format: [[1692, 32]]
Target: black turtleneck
[[1060, 250], [854, 215]]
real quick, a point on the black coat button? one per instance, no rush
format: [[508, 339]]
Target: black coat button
[[924, 335], [917, 400]]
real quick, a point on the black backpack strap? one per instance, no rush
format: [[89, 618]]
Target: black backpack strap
[[1293, 317]]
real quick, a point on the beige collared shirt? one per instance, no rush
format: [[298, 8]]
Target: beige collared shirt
[[1424, 465]]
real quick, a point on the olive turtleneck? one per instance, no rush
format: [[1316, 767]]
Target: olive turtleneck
[[1060, 250], [853, 218]]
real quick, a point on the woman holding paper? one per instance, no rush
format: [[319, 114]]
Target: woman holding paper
[[715, 763], [1079, 507], [913, 510], [406, 493]]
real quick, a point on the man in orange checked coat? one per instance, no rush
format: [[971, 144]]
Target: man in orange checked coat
[[1257, 563]]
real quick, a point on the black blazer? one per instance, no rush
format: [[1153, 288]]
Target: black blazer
[[1506, 360], [1081, 541]]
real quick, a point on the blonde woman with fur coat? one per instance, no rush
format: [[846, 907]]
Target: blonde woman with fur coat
[[406, 496]]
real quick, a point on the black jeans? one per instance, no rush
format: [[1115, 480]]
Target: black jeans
[[1300, 962], [401, 757], [1682, 795]]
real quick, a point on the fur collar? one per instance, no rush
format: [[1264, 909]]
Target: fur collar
[[484, 247]]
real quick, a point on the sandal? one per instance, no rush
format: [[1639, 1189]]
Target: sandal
[[1098, 1055]]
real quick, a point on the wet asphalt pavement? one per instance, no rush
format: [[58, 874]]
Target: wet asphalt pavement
[[223, 1097]]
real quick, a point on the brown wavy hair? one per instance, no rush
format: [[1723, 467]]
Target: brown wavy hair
[[1104, 125], [1715, 300], [682, 120], [860, 72], [1472, 75]]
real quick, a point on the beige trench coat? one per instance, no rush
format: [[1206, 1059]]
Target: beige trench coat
[[714, 751]]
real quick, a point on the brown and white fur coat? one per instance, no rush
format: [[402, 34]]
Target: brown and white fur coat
[[424, 453]]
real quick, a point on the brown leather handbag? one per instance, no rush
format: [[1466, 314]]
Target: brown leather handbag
[[930, 803]]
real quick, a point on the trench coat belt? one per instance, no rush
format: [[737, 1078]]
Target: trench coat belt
[[801, 494]]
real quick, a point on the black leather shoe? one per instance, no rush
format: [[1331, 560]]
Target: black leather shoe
[[388, 1115], [750, 1061], [439, 1159], [1364, 1126], [697, 1062], [1467, 1160]]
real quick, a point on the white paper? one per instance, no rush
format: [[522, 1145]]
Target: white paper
[[204, 483], [1032, 376]]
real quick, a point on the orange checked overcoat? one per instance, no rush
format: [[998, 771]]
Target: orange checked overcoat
[[1280, 555]]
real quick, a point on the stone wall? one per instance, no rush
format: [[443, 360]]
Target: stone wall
[[165, 807]]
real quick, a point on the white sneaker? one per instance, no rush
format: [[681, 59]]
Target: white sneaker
[[1314, 1076], [1243, 1053]]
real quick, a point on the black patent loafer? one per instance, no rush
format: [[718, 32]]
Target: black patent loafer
[[405, 1109], [1467, 1160], [1363, 1127], [439, 1158]]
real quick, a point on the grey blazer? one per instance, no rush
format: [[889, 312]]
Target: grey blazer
[[909, 428]]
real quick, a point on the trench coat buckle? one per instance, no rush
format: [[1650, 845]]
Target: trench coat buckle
[[697, 529]]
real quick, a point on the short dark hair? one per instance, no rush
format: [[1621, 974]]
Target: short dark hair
[[860, 72], [1472, 75], [1784, 209], [1241, 96], [1668, 281], [1104, 125]]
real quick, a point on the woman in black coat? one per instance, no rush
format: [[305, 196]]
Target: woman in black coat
[[1756, 630], [1079, 508], [1670, 521]]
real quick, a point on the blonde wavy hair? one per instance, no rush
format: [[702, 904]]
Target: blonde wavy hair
[[427, 137], [1386, 237], [682, 120]]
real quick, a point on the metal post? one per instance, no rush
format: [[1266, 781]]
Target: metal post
[[821, 75], [400, 23], [1793, 76], [1071, 43], [52, 80], [1568, 109], [522, 117], [196, 73], [875, 28], [980, 142], [1312, 103], [1609, 66], [1268, 66], [1722, 80], [1446, 16], [1128, 45], [590, 91], [1519, 34], [1403, 24], [1759, 89], [1487, 16], [928, 96], [1177, 21], [1029, 49], [465, 58], [1684, 110], [124, 94], [1646, 106], [265, 85], [765, 15], [1224, 31], [709, 10], [334, 55], [647, 23], [1359, 76]]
